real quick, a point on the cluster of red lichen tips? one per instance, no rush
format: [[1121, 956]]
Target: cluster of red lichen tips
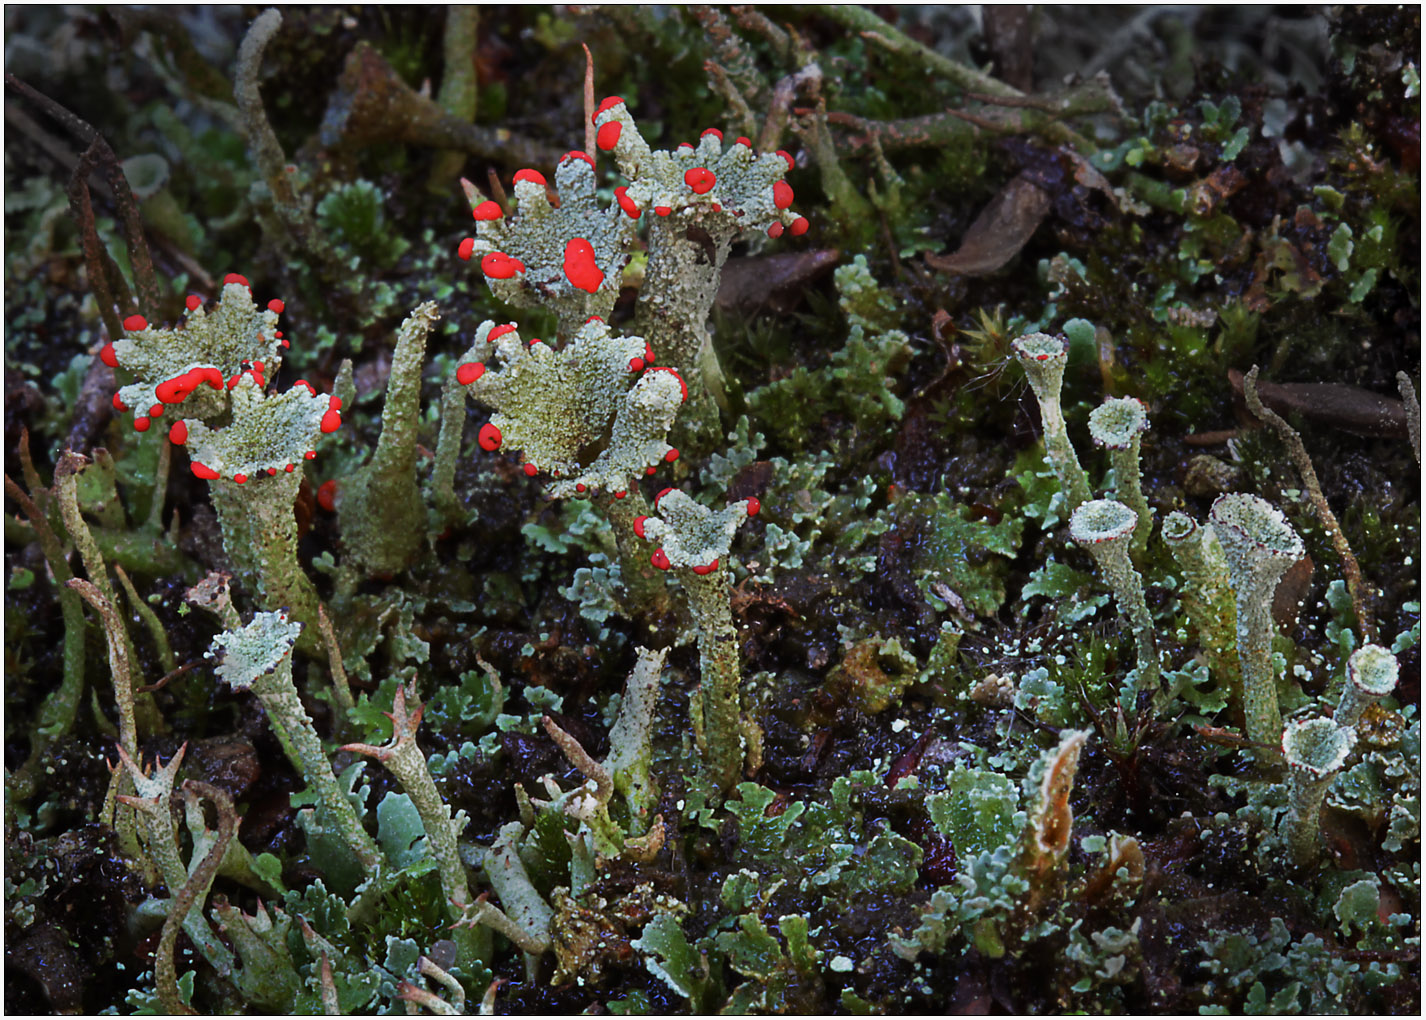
[[526, 395], [143, 347], [690, 522], [708, 177]]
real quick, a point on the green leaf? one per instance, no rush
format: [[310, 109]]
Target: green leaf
[[670, 958], [400, 831], [762, 836], [1055, 580], [976, 812]]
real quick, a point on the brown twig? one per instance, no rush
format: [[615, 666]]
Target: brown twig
[[1298, 452], [588, 102], [173, 674], [165, 966]]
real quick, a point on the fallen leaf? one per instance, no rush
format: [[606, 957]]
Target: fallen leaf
[[999, 232]]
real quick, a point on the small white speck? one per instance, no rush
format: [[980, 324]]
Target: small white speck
[[897, 727], [841, 964]]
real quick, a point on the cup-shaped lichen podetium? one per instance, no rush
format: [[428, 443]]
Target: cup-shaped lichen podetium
[[258, 658], [694, 540], [1371, 676], [1043, 358], [252, 466], [1315, 750], [1259, 546], [1118, 425], [1106, 528]]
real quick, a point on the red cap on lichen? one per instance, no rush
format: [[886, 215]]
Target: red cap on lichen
[[605, 104], [134, 323], [660, 559], [775, 230], [781, 194], [671, 456], [236, 278], [107, 355], [579, 265], [141, 424], [192, 301], [499, 331], [178, 433], [240, 478], [469, 372], [663, 210], [487, 210], [326, 493], [707, 568], [489, 438], [533, 176], [531, 471], [621, 195], [681, 384], [621, 494], [331, 420], [784, 154], [498, 265], [276, 305], [639, 524], [661, 495], [577, 154], [119, 404], [700, 179], [712, 131], [608, 135], [310, 455], [204, 471], [754, 505], [740, 140], [466, 249], [799, 226]]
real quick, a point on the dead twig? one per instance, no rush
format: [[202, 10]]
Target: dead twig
[[1298, 452]]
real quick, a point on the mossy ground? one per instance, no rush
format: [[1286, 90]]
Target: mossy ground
[[1255, 202]]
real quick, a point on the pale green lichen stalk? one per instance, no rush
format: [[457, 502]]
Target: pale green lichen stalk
[[699, 200], [1259, 546], [1106, 528], [153, 792], [382, 515], [1118, 424], [258, 657], [252, 467], [1315, 751], [695, 540], [1371, 675], [1204, 592], [403, 758], [523, 915], [1044, 358]]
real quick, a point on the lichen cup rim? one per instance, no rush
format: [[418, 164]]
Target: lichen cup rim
[[1102, 520], [1041, 347], [1373, 670], [1178, 526], [1117, 422], [1317, 746], [1263, 530]]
